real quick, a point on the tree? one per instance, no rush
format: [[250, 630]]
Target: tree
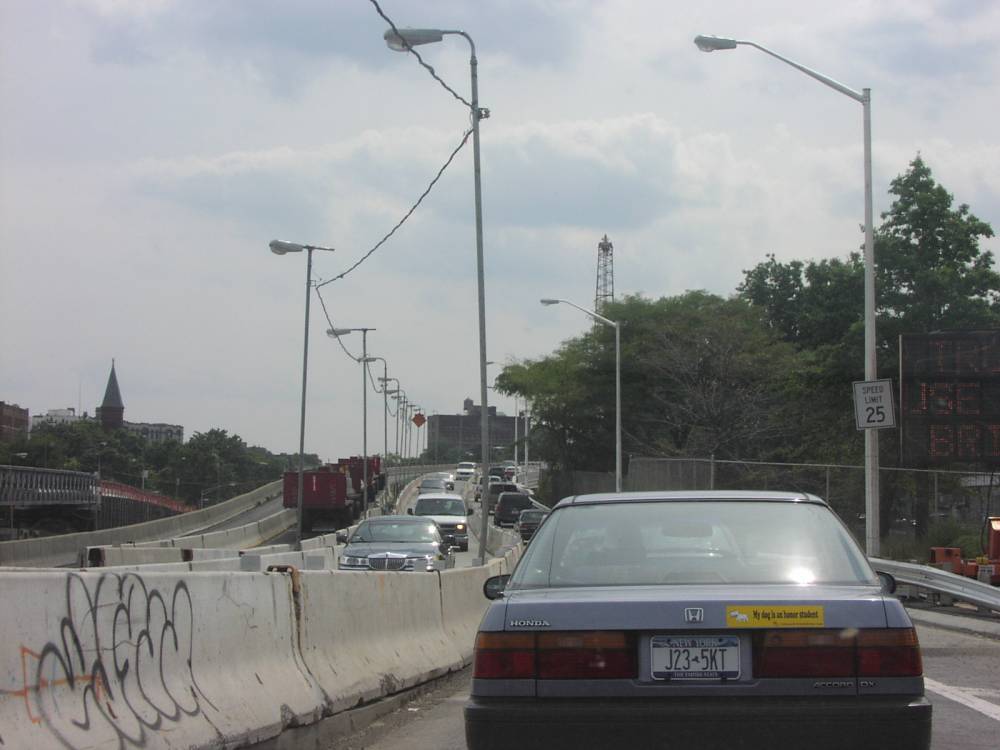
[[930, 274], [700, 375]]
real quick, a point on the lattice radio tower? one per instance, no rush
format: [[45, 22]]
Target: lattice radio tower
[[605, 274]]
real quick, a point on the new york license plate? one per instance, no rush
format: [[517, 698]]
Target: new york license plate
[[695, 657]]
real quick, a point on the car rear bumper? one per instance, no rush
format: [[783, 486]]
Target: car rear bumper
[[638, 723]]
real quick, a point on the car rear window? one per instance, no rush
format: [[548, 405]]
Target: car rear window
[[679, 542], [532, 516], [439, 506]]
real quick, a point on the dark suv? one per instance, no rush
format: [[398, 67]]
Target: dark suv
[[509, 507], [498, 488]]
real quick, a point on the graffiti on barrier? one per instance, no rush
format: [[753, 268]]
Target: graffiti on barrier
[[120, 665]]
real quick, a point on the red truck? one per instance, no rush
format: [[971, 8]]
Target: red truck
[[332, 494]]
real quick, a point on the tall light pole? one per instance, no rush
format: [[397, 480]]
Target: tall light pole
[[618, 381], [280, 247], [517, 418], [713, 43], [388, 393], [364, 360], [400, 399], [402, 41], [385, 405]]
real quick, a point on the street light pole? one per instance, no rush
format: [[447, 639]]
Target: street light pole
[[400, 400], [402, 41], [713, 43], [280, 247], [618, 381], [364, 360]]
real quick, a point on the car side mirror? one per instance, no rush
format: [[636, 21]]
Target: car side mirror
[[409, 511], [341, 537], [494, 585], [469, 511], [888, 582], [452, 550]]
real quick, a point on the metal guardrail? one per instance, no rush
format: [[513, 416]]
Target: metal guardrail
[[941, 581]]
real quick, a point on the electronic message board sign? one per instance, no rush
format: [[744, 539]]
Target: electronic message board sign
[[949, 398]]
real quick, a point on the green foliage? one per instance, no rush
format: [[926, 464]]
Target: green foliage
[[931, 274], [698, 377]]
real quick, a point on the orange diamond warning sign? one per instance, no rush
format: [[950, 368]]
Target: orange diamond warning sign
[[419, 419]]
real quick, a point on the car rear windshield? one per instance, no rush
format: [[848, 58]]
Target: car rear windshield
[[531, 516], [434, 506], [679, 542], [402, 531]]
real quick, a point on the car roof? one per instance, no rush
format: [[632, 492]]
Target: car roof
[[692, 496], [440, 496]]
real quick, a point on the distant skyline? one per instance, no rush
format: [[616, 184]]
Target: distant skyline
[[150, 150]]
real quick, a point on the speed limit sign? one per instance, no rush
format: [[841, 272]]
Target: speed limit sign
[[873, 405]]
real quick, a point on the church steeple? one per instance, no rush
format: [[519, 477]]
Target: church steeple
[[111, 412]]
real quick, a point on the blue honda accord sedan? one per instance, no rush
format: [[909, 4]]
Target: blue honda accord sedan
[[695, 620]]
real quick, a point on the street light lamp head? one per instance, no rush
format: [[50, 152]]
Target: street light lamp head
[[549, 301], [336, 333], [368, 359], [280, 247], [410, 38], [713, 43]]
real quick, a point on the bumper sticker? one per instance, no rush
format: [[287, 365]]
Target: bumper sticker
[[769, 616]]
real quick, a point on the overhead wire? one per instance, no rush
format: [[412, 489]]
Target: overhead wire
[[451, 158]]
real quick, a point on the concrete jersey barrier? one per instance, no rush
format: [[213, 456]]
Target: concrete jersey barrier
[[366, 635], [165, 656], [99, 659]]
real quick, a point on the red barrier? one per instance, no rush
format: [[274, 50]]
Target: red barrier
[[116, 489]]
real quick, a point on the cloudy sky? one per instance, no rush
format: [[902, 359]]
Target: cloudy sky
[[150, 149]]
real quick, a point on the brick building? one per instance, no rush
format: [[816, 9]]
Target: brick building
[[461, 432], [14, 421]]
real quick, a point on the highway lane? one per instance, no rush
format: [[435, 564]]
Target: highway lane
[[263, 510], [962, 665]]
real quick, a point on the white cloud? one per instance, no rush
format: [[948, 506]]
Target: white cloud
[[150, 154]]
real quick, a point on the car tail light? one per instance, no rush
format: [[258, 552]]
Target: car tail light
[[590, 655], [889, 653], [505, 656], [875, 652], [804, 653], [595, 655]]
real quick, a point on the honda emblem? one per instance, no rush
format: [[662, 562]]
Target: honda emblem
[[694, 614]]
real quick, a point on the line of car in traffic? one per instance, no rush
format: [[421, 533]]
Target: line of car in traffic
[[425, 539]]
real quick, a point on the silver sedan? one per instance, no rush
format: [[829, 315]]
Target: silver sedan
[[695, 620]]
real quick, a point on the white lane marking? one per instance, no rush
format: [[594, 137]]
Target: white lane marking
[[962, 695]]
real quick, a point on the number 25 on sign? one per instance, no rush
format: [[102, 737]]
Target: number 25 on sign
[[873, 408]]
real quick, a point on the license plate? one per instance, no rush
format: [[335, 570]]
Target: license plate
[[695, 657]]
